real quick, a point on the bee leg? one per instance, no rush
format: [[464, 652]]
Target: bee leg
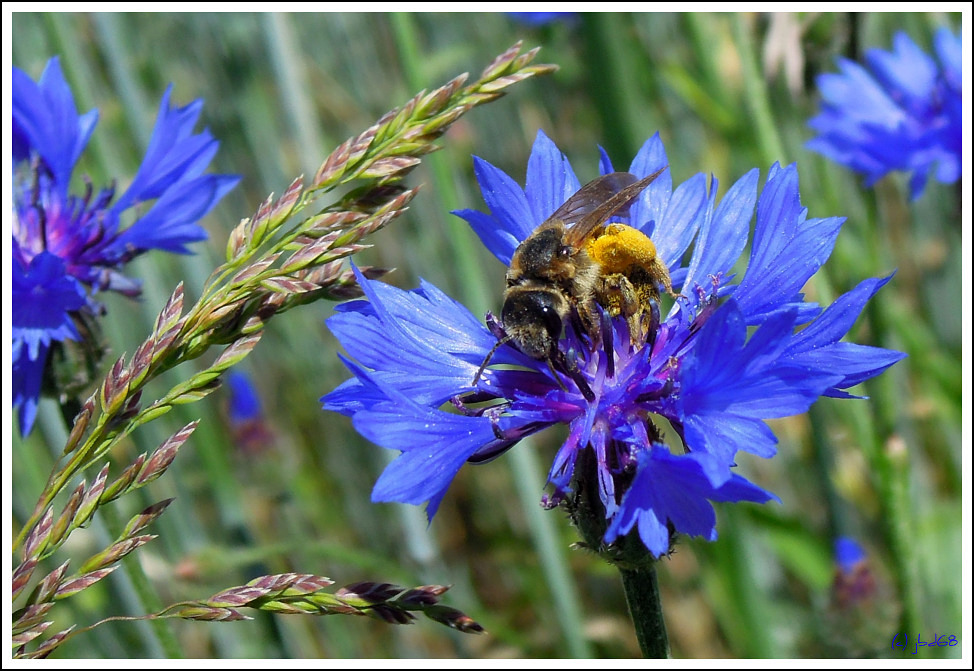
[[627, 295], [612, 293], [558, 361], [586, 320], [660, 271], [649, 320], [610, 359]]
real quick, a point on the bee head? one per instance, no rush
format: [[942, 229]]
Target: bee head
[[534, 319]]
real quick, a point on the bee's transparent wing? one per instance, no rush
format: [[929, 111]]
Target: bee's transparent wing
[[593, 204]]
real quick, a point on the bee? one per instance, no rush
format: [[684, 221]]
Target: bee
[[573, 262]]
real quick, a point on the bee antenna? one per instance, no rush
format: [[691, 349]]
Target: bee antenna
[[490, 355], [554, 374]]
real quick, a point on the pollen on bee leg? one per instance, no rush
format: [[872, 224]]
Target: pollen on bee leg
[[620, 247]]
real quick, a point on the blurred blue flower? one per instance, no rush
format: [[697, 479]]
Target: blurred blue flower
[[853, 583], [542, 18], [248, 425], [244, 402], [700, 369], [848, 554], [902, 113], [862, 606], [64, 243]]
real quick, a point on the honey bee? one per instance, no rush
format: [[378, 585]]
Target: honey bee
[[573, 262]]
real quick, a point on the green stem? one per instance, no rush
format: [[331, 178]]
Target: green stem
[[756, 95], [642, 595], [892, 463], [611, 79], [838, 522], [628, 554]]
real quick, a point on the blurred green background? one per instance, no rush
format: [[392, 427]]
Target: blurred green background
[[727, 92]]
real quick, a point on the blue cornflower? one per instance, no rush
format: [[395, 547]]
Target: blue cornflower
[[63, 243], [245, 413], [725, 358], [902, 113]]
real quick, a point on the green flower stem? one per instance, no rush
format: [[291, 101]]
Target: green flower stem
[[642, 595], [628, 554], [891, 462], [749, 602], [895, 495], [612, 77], [838, 519], [756, 95], [704, 34], [297, 99]]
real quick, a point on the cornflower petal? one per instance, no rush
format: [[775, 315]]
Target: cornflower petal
[[495, 236], [423, 343], [907, 68], [848, 553], [46, 121], [723, 234], [683, 216], [43, 297], [244, 402], [675, 489], [516, 212], [433, 444], [729, 384], [171, 222], [648, 210], [84, 230], [787, 250], [443, 442], [817, 346], [550, 180], [26, 380], [543, 18], [510, 209]]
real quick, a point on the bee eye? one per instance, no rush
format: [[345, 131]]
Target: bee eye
[[552, 321], [564, 252]]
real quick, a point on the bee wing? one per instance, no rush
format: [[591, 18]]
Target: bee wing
[[594, 203]]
